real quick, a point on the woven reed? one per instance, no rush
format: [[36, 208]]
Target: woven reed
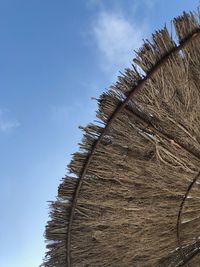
[[136, 200]]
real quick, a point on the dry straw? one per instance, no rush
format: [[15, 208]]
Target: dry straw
[[136, 201]]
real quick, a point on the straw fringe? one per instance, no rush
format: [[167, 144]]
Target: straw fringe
[[124, 212], [56, 229]]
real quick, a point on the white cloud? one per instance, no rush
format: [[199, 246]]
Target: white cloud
[[116, 38], [7, 124]]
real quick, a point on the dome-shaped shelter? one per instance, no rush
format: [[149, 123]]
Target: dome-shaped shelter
[[133, 196]]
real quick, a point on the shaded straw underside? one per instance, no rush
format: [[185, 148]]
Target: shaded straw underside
[[127, 203]]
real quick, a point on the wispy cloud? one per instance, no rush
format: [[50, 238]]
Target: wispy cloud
[[116, 38], [7, 124], [117, 30]]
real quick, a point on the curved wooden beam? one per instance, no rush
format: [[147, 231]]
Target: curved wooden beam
[[178, 227]]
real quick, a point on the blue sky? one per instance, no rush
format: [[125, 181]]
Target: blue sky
[[55, 56]]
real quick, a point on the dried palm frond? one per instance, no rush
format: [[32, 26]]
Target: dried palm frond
[[136, 201]]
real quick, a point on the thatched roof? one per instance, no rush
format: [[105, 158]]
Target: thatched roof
[[133, 197]]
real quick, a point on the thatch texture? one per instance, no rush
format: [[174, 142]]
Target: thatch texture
[[136, 200]]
